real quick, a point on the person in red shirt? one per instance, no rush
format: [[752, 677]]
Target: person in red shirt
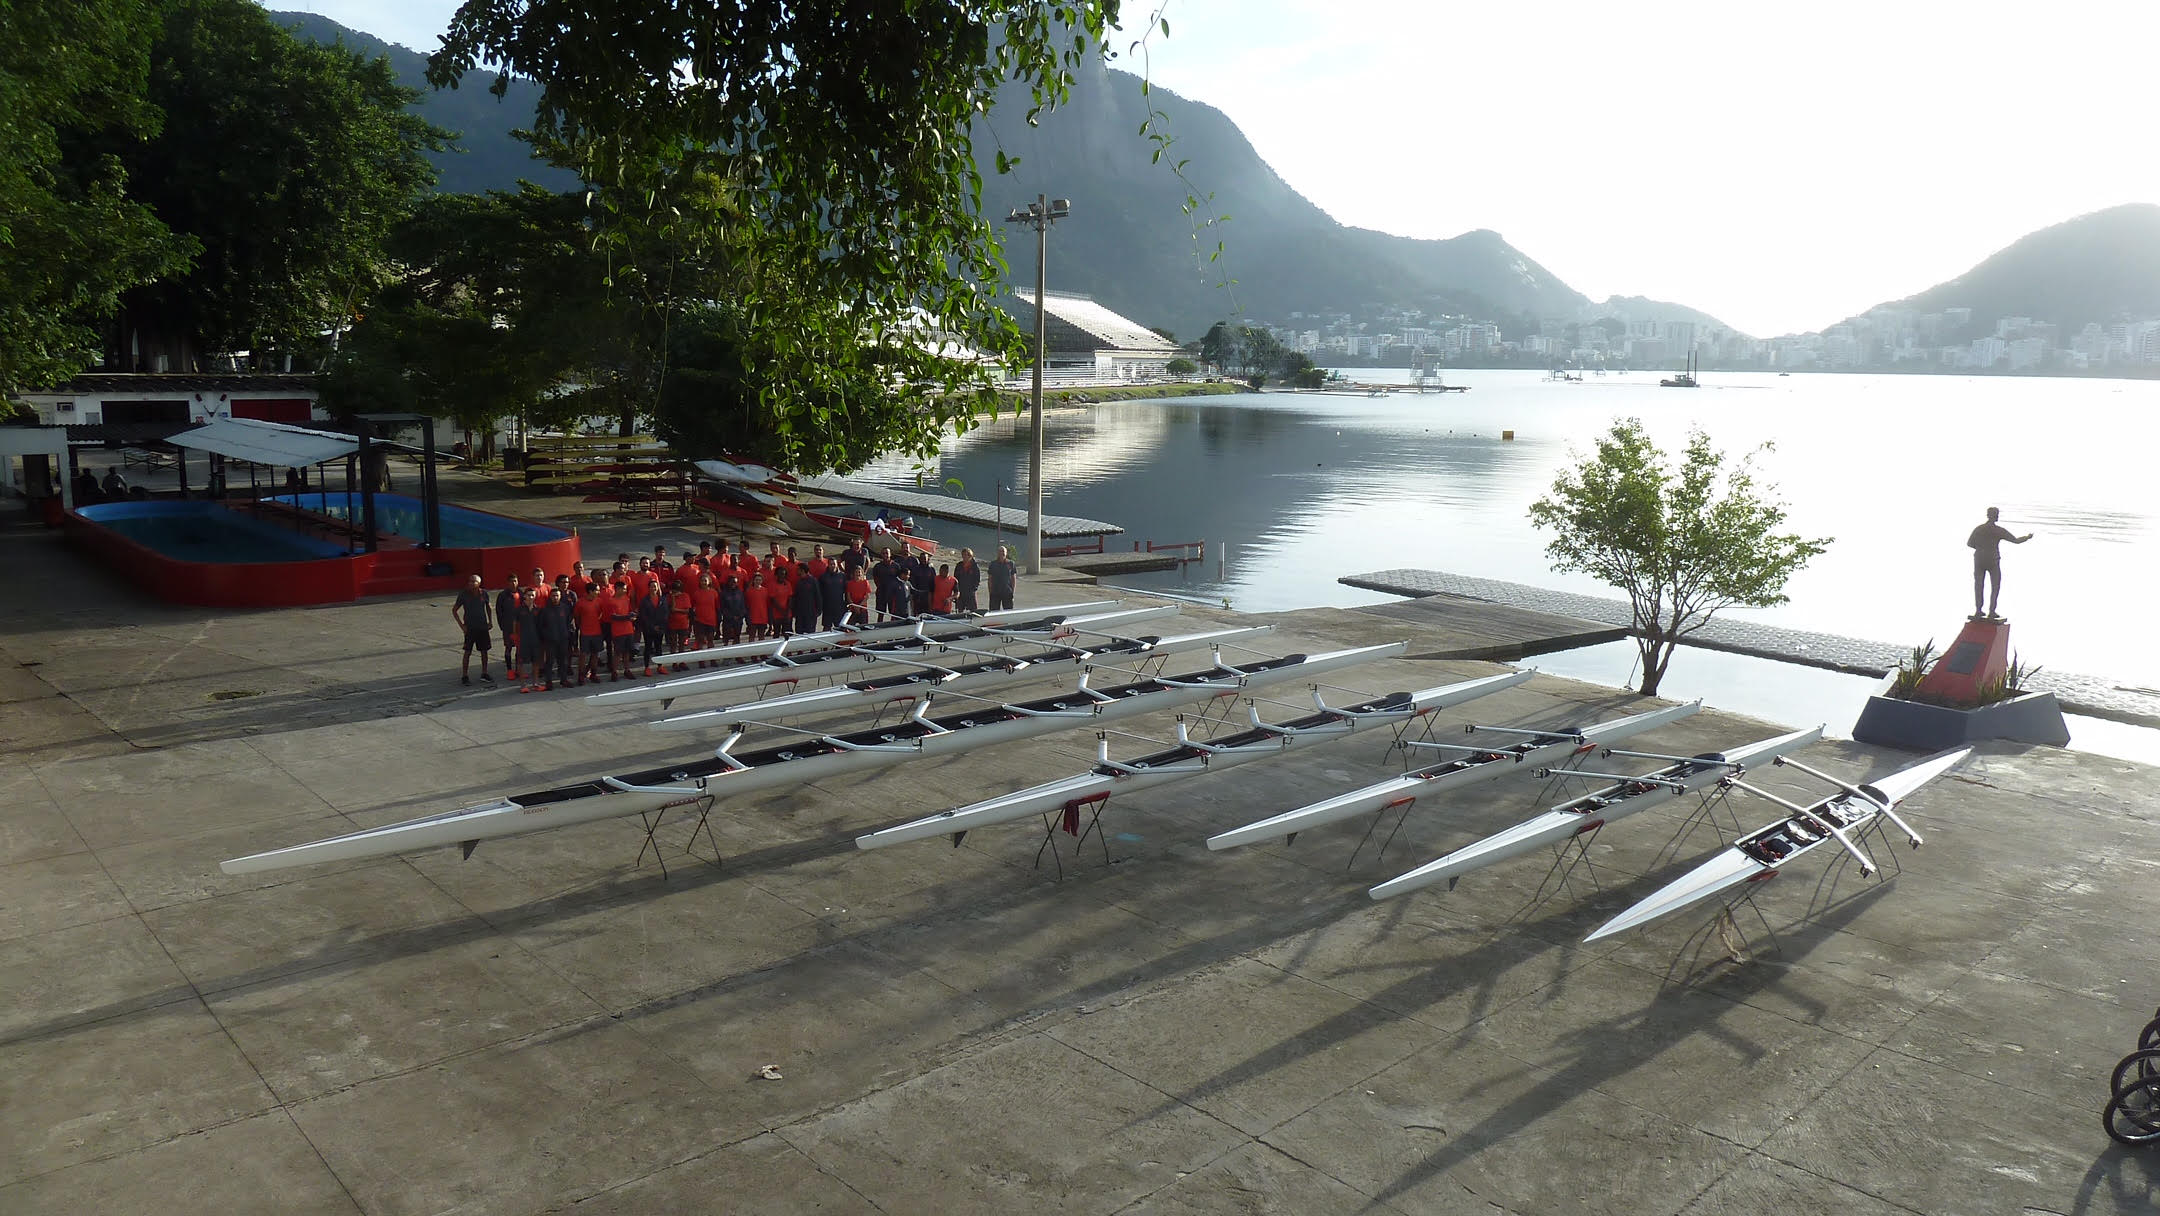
[[755, 605], [622, 630], [858, 599], [705, 614], [817, 563], [580, 582], [779, 602], [941, 590], [678, 622], [592, 630], [641, 581], [746, 563]]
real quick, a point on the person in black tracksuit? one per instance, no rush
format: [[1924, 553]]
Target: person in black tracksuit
[[652, 613], [809, 603], [922, 579], [967, 579], [885, 576], [832, 595], [553, 626]]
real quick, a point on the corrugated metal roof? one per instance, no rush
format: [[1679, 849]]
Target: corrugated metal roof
[[1078, 323]]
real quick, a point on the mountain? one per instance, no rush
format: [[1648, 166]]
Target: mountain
[[485, 156], [1129, 242], [2101, 267], [1131, 245]]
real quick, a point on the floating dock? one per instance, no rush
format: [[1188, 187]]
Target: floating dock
[[959, 510]]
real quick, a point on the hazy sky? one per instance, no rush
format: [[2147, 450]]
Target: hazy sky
[[1779, 165]]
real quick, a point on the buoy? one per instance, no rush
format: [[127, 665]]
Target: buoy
[[1507, 434]]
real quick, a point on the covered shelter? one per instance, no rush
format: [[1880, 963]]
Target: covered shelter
[[43, 451]]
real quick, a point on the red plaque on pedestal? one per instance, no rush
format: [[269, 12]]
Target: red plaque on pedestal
[[1979, 657]]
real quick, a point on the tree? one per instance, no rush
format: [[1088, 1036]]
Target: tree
[[841, 134], [73, 74], [1682, 542], [1181, 367], [285, 161]]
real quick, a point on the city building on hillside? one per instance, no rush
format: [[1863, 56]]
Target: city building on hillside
[[1087, 343]]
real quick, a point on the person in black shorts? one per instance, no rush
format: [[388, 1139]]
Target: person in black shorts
[[471, 613]]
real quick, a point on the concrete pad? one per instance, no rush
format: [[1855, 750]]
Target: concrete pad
[[1250, 1045], [1761, 1184], [662, 942], [181, 869], [1461, 1118], [316, 1031], [1253, 1178], [970, 1136], [515, 1128], [55, 892], [1631, 1033], [37, 732], [172, 792], [398, 783], [839, 1023], [32, 826], [84, 973], [2065, 953], [2023, 1156], [784, 1182], [258, 1165], [2048, 1043], [371, 911], [119, 1085]]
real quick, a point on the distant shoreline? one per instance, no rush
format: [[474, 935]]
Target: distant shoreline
[[1095, 394]]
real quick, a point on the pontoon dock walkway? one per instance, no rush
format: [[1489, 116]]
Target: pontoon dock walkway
[[2094, 696], [1013, 517]]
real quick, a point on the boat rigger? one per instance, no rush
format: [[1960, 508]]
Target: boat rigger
[[1596, 809], [1190, 759], [942, 672], [1481, 763], [931, 637], [808, 759], [1759, 855]]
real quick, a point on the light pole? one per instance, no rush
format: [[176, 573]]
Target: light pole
[[1038, 215]]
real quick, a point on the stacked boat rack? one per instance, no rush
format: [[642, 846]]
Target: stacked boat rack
[[2132, 1115], [910, 667]]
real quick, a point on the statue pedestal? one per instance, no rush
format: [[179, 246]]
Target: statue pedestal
[[1950, 714]]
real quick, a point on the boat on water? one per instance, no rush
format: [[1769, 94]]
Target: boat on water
[[1684, 379], [1581, 816], [1190, 758], [1760, 855], [946, 668], [1489, 762], [934, 637], [807, 759]]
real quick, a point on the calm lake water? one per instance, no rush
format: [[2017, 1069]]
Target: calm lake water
[[1306, 488]]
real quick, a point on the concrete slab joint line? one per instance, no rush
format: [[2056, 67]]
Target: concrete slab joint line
[[2094, 696]]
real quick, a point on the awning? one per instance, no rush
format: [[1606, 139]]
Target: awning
[[269, 443]]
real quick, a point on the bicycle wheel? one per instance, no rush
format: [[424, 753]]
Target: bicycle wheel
[[2133, 1114], [2149, 1037], [2144, 1065]]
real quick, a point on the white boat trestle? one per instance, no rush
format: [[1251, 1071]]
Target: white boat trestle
[[807, 759], [1478, 762], [942, 673], [1579, 817], [1190, 758], [1838, 819]]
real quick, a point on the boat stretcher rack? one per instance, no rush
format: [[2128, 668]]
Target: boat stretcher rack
[[1574, 852]]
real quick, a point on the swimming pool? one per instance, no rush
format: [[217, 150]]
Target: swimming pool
[[236, 555]]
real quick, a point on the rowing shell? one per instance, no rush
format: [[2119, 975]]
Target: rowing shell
[[1480, 765], [1594, 810], [840, 662], [1758, 856], [1188, 759], [947, 676], [923, 626], [806, 760]]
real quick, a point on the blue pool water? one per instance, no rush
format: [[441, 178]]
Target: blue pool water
[[400, 515], [208, 532]]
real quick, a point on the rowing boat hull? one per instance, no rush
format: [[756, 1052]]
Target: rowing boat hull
[[1441, 777], [1733, 866], [1042, 799], [838, 662], [1563, 823], [795, 765], [925, 626], [878, 694]]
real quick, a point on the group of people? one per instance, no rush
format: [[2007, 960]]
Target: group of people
[[635, 621]]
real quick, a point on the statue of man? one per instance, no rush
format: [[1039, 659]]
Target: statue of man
[[1986, 544]]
